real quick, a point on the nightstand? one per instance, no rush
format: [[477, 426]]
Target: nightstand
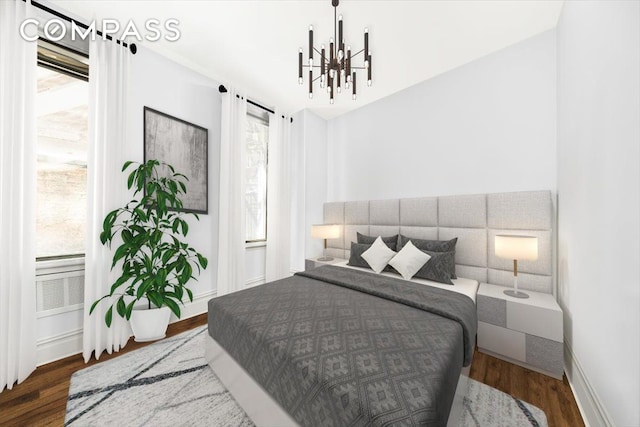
[[527, 332], [311, 263]]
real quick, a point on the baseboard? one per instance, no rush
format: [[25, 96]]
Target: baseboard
[[254, 282], [64, 345], [591, 408], [58, 347]]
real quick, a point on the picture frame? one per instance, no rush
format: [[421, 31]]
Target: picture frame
[[184, 146]]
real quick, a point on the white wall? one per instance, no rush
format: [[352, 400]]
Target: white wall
[[309, 186], [315, 143], [173, 89], [255, 263], [488, 126], [599, 205]]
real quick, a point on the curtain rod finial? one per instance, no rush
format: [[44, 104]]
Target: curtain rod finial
[[133, 48], [222, 89]]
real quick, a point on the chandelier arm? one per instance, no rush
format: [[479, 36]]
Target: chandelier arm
[[357, 53], [317, 51], [315, 66], [352, 67]]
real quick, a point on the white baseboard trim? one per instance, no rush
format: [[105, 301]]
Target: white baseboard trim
[[69, 343], [591, 408], [254, 282], [58, 347]]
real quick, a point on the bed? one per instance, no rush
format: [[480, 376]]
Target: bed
[[340, 346]]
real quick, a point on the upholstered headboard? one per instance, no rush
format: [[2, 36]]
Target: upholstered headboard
[[473, 219]]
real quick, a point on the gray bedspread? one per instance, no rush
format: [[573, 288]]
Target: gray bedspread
[[342, 347]]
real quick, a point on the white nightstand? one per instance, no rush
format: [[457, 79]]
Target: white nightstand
[[311, 263], [527, 332]]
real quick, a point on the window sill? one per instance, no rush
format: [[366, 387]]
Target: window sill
[[56, 265], [255, 245]]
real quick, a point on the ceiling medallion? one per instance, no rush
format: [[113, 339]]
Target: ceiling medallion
[[336, 70]]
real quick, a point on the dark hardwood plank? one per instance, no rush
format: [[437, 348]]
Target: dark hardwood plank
[[553, 396], [41, 400]]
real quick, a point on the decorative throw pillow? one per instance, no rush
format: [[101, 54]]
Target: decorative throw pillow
[[391, 241], [378, 255], [355, 259], [409, 260], [429, 245], [433, 246], [438, 268]]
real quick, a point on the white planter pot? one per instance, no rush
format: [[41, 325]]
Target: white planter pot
[[149, 324]]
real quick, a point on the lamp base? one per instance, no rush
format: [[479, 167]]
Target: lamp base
[[516, 294], [325, 258]]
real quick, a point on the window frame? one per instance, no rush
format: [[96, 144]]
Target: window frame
[[56, 57], [261, 116]]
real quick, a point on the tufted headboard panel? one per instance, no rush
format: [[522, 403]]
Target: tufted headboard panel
[[474, 219]]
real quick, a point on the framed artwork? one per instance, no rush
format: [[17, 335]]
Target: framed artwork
[[184, 146]]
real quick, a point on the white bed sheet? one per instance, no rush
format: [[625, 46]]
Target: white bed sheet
[[468, 287]]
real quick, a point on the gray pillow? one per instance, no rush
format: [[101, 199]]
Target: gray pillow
[[390, 241], [433, 246], [439, 267], [428, 245], [355, 259]]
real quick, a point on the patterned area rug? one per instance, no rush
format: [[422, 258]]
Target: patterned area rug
[[170, 384]]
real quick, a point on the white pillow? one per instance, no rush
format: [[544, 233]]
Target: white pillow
[[409, 260], [378, 255]]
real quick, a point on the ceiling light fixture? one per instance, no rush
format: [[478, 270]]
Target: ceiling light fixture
[[335, 69]]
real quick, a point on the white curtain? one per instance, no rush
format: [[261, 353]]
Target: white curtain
[[17, 196], [108, 76], [278, 259], [231, 241]]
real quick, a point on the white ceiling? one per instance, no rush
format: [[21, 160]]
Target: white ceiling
[[253, 45]]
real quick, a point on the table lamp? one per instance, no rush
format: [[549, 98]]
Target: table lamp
[[516, 248], [325, 231]]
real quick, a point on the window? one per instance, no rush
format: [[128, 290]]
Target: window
[[62, 130], [256, 175]]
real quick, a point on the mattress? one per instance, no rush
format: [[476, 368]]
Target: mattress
[[337, 347], [464, 286]]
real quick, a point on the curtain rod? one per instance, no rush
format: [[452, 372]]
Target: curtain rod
[[132, 47], [223, 89]]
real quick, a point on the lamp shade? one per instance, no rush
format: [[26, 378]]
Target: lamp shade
[[517, 247], [325, 231]]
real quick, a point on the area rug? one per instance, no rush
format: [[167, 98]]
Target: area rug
[[169, 384]]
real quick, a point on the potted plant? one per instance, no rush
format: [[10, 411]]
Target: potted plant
[[157, 263]]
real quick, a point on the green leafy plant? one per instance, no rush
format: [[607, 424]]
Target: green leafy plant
[[156, 263]]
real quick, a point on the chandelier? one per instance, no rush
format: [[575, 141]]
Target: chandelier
[[336, 70]]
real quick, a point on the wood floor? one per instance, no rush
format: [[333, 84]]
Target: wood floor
[[41, 400]]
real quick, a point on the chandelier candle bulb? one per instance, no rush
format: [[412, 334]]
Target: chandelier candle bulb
[[310, 44], [366, 40], [340, 39], [300, 66], [353, 80], [331, 54], [369, 70]]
